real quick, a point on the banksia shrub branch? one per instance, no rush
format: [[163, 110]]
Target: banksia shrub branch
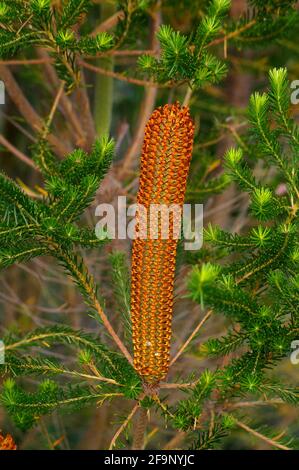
[[163, 175]]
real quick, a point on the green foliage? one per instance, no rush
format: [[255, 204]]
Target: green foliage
[[256, 285], [207, 440], [211, 23], [188, 410], [31, 228], [267, 22], [114, 375], [38, 23], [186, 59], [265, 326], [72, 11], [27, 408]]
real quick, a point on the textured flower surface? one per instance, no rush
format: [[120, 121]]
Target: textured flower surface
[[7, 443], [164, 169]]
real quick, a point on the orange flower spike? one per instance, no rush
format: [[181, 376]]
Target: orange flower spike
[[165, 162], [7, 443]]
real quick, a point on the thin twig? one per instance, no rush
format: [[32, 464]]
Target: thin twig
[[20, 155], [129, 52], [27, 111], [134, 148], [46, 433], [194, 333], [188, 96], [53, 110], [86, 114], [112, 332], [123, 426], [173, 385], [147, 106], [26, 61], [66, 103], [119, 76], [248, 404], [233, 34], [19, 127], [269, 441], [90, 291]]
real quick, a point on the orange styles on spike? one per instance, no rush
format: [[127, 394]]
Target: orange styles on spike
[[7, 443], [164, 169]]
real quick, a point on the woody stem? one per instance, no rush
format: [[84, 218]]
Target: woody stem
[[138, 438]]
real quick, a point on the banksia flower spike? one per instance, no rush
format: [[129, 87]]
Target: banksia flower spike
[[7, 443], [164, 169]]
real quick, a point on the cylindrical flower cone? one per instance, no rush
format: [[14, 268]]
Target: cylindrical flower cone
[[164, 169], [7, 443]]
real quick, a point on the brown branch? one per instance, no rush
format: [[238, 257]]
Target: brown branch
[[233, 34], [129, 52], [188, 96], [119, 76], [83, 106], [147, 105], [144, 114], [19, 127], [20, 155], [248, 404], [139, 430], [174, 386], [112, 332], [54, 106], [66, 103], [266, 439], [90, 291], [109, 23], [123, 426], [122, 53], [26, 61], [27, 111], [194, 333]]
